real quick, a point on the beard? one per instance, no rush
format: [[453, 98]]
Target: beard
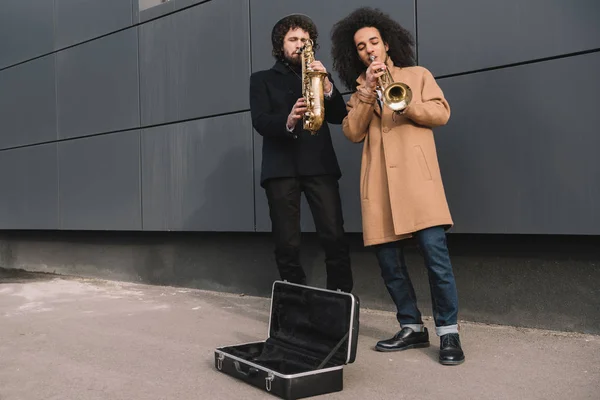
[[292, 60]]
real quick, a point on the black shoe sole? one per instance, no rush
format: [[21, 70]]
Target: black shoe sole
[[410, 346], [452, 362]]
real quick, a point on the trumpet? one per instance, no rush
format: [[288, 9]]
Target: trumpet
[[396, 95]]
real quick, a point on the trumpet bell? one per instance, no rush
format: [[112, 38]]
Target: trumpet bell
[[397, 96]]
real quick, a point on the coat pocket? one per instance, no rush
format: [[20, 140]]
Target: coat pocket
[[422, 163], [365, 192]]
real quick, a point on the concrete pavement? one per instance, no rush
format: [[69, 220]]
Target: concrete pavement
[[74, 338]]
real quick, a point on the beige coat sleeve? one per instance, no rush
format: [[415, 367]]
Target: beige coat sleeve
[[360, 113], [433, 110]]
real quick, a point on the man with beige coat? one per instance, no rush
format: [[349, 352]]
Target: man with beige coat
[[402, 194]]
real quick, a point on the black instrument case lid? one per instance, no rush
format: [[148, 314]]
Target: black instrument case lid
[[313, 321]]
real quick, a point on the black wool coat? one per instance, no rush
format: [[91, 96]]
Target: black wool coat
[[273, 93]]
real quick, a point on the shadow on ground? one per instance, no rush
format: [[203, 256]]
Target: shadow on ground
[[21, 276]]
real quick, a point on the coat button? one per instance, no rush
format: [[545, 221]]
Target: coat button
[[386, 130]]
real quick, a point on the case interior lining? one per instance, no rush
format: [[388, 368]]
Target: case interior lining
[[276, 357], [311, 321]]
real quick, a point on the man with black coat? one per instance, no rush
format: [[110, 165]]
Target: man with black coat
[[294, 161]]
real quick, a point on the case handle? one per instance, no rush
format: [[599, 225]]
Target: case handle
[[251, 371]]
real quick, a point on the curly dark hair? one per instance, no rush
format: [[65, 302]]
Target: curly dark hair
[[283, 26], [345, 56]]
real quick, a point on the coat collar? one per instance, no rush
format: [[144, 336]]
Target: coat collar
[[281, 67]]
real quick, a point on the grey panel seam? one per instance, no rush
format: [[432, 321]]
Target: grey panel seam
[[126, 130], [56, 141], [139, 91], [416, 33], [520, 63], [251, 128], [55, 55], [60, 225], [59, 140]]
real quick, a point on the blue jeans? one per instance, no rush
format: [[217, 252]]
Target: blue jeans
[[444, 298]]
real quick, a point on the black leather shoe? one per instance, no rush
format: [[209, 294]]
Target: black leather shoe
[[450, 350], [404, 340]]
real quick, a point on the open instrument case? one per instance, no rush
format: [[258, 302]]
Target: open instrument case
[[313, 333]]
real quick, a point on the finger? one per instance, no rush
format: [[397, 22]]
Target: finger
[[317, 66], [300, 113]]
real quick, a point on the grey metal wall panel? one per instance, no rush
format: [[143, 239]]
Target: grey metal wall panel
[[80, 20], [152, 9], [148, 13], [349, 156], [466, 35], [98, 86], [99, 182], [189, 72], [159, 77], [265, 13], [197, 176], [179, 4], [28, 103], [520, 156], [29, 181], [26, 30]]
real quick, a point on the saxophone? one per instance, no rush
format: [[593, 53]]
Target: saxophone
[[312, 90]]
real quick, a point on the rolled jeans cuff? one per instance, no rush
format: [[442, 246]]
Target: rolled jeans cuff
[[444, 330]]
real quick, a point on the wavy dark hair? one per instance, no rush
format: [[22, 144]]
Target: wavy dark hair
[[345, 56], [283, 26]]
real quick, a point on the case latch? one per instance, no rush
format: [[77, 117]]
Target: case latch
[[268, 381], [220, 361]]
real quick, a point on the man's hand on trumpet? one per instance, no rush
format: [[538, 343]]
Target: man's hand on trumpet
[[374, 71]]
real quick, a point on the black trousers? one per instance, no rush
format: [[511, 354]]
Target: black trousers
[[323, 197]]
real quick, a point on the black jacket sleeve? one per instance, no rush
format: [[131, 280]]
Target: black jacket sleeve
[[266, 122], [335, 106]]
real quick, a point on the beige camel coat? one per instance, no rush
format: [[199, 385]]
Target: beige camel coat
[[400, 185]]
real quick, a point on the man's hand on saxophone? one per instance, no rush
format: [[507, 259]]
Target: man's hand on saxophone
[[318, 66], [296, 114]]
